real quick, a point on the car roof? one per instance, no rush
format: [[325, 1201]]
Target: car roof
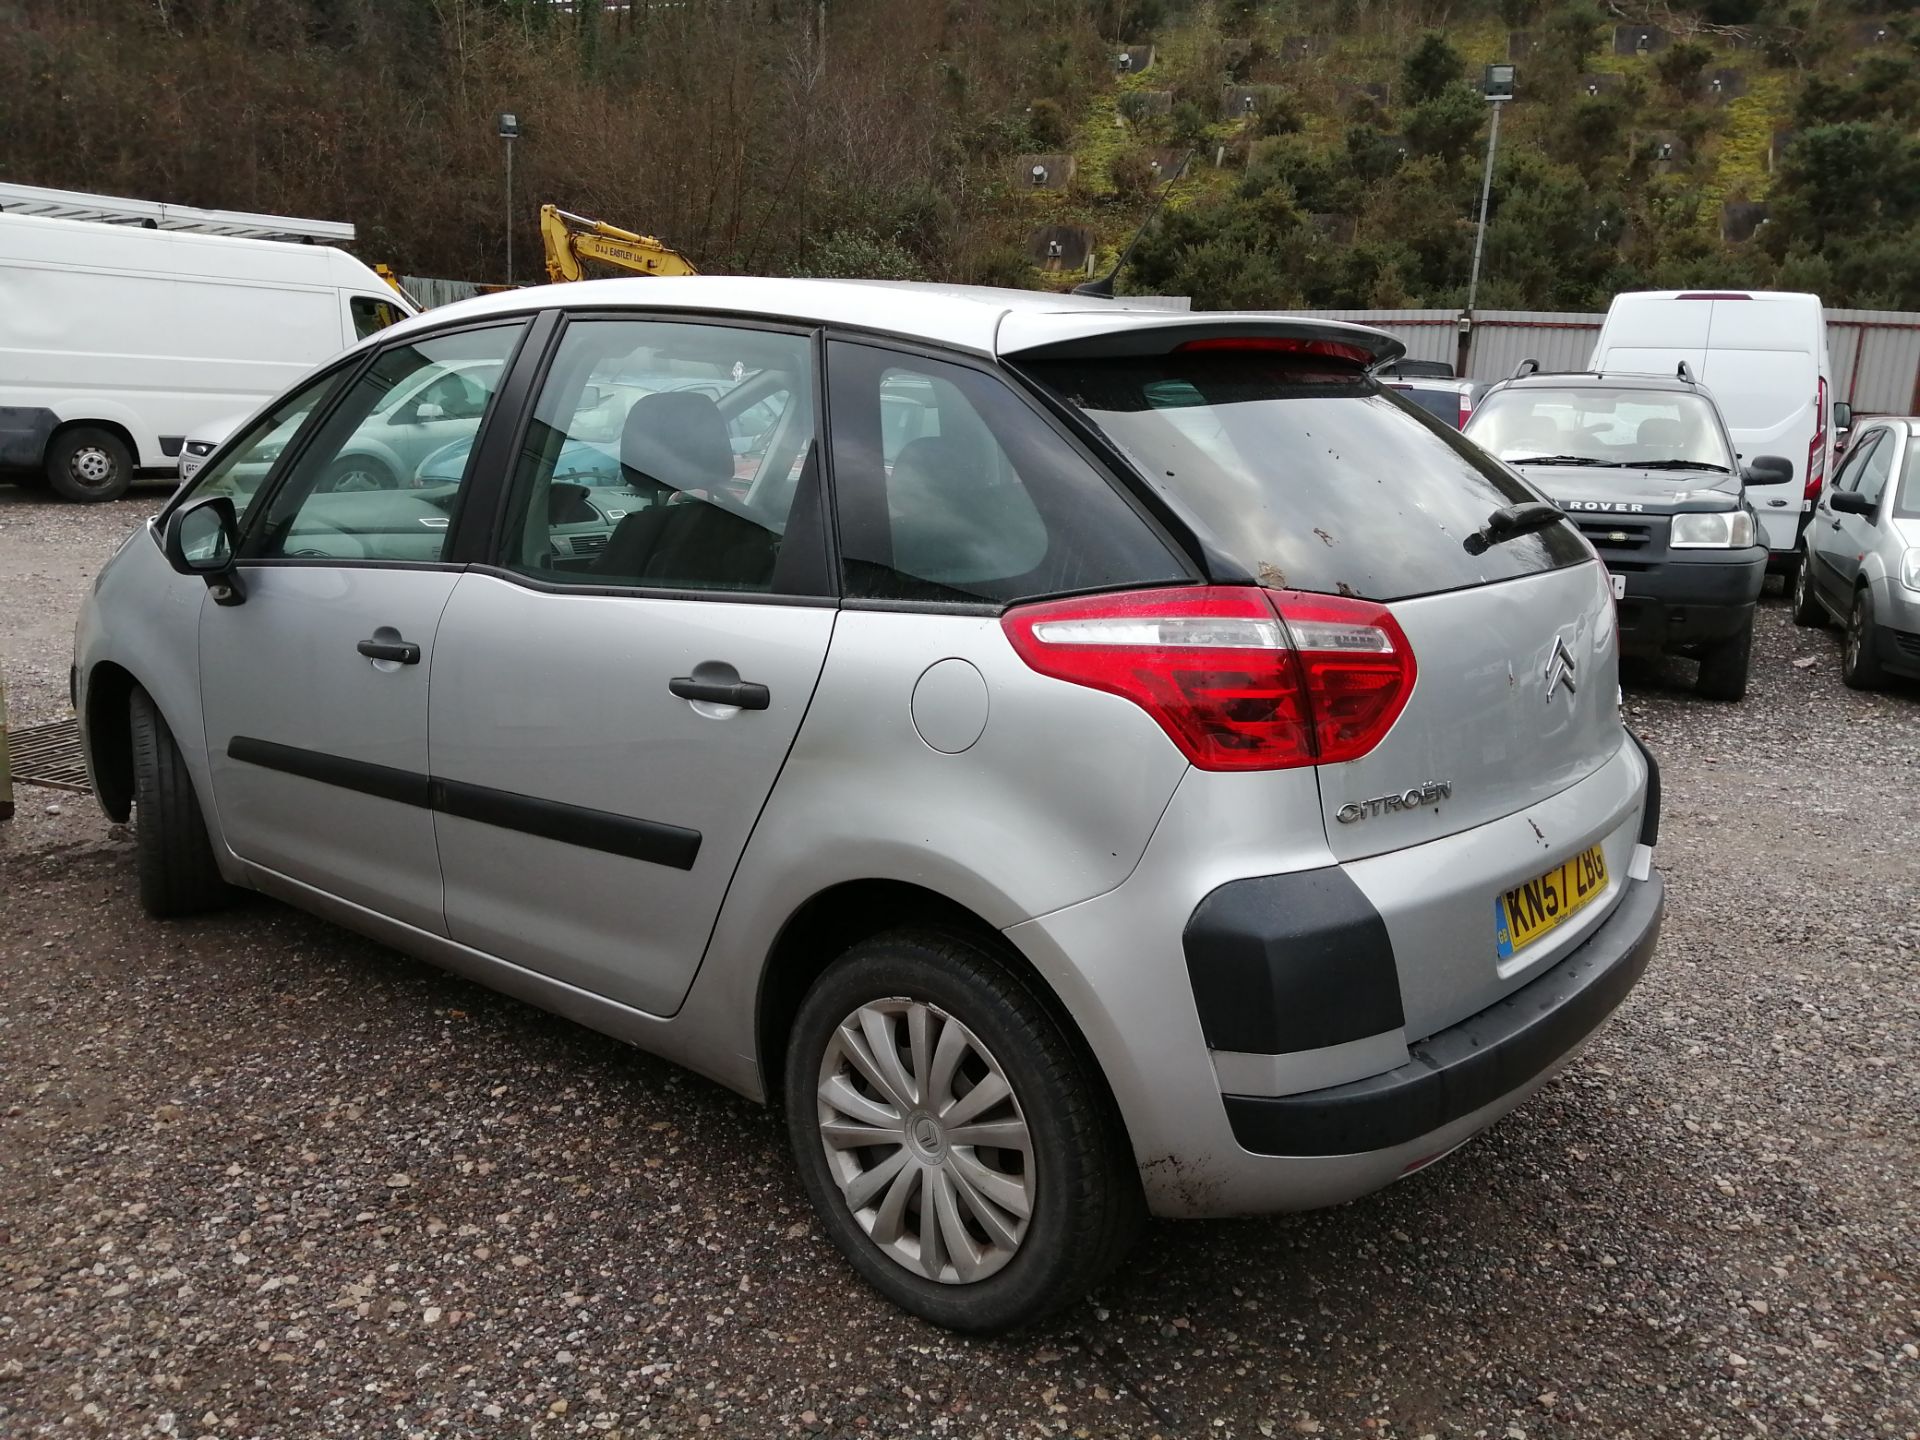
[[978, 318], [1603, 380]]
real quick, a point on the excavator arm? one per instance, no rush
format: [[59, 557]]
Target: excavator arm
[[569, 239]]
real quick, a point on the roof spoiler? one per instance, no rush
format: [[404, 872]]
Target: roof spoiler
[[1526, 367], [1101, 335]]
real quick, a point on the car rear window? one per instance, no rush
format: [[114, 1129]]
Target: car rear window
[[1314, 479], [1443, 405]]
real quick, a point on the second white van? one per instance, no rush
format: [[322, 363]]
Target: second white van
[[117, 342], [1764, 355]]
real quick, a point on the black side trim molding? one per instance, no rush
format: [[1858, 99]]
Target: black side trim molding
[[650, 840], [170, 445], [1473, 1064], [1291, 962], [1650, 817], [382, 781]]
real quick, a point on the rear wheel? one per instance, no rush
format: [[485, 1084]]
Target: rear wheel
[[959, 1147], [1807, 609], [1860, 656], [1723, 669], [89, 464], [171, 852]]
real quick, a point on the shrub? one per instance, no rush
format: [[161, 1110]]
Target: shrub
[[1431, 68], [1047, 124], [1132, 174]]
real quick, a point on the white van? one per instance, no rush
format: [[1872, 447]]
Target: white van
[[1764, 355], [116, 342]]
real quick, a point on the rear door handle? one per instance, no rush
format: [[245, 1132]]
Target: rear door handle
[[743, 694], [403, 651]]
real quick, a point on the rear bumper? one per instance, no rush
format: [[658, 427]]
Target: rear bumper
[[1505, 1050], [1680, 604]]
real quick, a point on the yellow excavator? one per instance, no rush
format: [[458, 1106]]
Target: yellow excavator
[[570, 239]]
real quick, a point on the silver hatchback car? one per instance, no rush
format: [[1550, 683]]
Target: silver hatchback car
[[1861, 560], [1077, 761]]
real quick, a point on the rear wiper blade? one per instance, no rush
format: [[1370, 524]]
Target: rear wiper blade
[[1676, 465], [1559, 460], [1511, 520]]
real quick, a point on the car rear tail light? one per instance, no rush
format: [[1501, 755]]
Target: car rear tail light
[[1239, 678], [1817, 447], [1714, 295], [1466, 411]]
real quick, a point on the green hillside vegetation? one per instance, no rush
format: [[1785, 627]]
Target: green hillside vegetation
[[896, 137], [1328, 197]]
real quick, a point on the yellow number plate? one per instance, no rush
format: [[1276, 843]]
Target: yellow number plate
[[1526, 912]]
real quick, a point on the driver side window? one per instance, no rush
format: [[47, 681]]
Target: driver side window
[[1872, 476], [370, 487]]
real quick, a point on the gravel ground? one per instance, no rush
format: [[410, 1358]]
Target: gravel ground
[[261, 1178]]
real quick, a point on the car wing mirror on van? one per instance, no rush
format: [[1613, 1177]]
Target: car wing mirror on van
[[1768, 470], [203, 539]]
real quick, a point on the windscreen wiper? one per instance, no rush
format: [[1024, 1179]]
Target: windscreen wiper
[[1675, 465], [1560, 460], [1511, 520]]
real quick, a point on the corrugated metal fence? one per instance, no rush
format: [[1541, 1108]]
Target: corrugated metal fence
[[1876, 353]]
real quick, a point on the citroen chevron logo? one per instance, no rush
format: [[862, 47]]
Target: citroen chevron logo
[[1561, 669]]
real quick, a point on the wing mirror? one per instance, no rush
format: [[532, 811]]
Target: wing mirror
[[1842, 415], [1851, 502], [203, 539], [1768, 470]]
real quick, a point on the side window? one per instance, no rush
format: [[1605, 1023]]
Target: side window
[[238, 473], [670, 456], [1872, 477], [1848, 476], [370, 315], [380, 479], [951, 488]]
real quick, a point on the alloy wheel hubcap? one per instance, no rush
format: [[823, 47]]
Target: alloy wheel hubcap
[[91, 465], [926, 1140]]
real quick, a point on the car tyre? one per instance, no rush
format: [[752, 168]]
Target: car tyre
[[1724, 668], [172, 854], [1807, 609], [1860, 664], [353, 474], [88, 465], [953, 1007]]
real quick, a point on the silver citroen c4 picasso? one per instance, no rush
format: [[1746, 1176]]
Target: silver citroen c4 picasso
[[1077, 761]]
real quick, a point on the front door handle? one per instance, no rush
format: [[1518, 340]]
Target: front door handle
[[742, 694], [404, 652]]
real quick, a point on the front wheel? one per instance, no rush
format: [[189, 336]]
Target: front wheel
[[1723, 669], [89, 464], [1807, 609], [959, 1147], [355, 473], [1860, 664], [172, 855]]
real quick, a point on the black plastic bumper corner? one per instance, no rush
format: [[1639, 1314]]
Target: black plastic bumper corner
[[1473, 1064]]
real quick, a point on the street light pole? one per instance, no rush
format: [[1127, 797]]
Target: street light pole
[[508, 128], [1497, 85], [1486, 190]]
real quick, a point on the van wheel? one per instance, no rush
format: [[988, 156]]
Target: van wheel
[[1860, 664], [87, 464], [1807, 609], [172, 855], [959, 1148], [1723, 669]]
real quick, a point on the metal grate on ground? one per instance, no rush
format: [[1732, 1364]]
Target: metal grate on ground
[[49, 755]]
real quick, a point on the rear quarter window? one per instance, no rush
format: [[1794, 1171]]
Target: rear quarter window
[[1313, 479]]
